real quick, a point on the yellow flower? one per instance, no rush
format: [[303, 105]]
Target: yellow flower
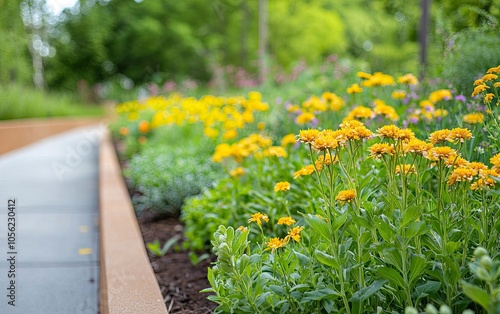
[[308, 136], [211, 132], [441, 94], [282, 186], [388, 131], [461, 174], [408, 79], [489, 77], [363, 75], [488, 98], [382, 109], [406, 169], [242, 228], [304, 171], [293, 108], [496, 84], [325, 161], [440, 136], [440, 153], [479, 89], [378, 79], [378, 150], [222, 151], [258, 217], [440, 113], [460, 135], [325, 140], [456, 162], [351, 130], [477, 166], [398, 94], [288, 139], [494, 70], [360, 112], [416, 146], [305, 117], [294, 234], [275, 243], [346, 196], [230, 134], [261, 126], [485, 180], [495, 161], [286, 221], [253, 95], [474, 118], [354, 89], [478, 82], [237, 172], [275, 151]]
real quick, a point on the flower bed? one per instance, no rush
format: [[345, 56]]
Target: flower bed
[[332, 206]]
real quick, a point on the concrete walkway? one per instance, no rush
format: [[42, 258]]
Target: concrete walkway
[[49, 241]]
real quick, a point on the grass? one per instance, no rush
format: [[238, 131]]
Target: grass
[[19, 102]]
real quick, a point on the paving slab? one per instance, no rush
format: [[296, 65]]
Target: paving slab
[[49, 259]]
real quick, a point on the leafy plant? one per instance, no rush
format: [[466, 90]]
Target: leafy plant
[[163, 176], [156, 248]]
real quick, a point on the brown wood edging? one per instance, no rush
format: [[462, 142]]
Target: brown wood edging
[[21, 132], [128, 283]]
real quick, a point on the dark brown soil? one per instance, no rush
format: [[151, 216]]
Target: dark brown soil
[[180, 281]]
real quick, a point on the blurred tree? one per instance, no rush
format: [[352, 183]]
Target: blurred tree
[[304, 30], [14, 54], [137, 39]]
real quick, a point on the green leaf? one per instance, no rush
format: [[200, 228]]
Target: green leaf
[[326, 259], [477, 294], [385, 228], [319, 226], [393, 257], [364, 293], [392, 275], [410, 215], [339, 221], [451, 247], [303, 259], [415, 228], [417, 267], [261, 298], [277, 289], [427, 288], [319, 294]]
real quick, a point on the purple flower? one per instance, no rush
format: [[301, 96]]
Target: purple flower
[[460, 98]]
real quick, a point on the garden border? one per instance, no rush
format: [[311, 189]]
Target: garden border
[[21, 132], [128, 283]]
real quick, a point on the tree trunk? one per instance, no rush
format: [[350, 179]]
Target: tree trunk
[[422, 36], [263, 40], [245, 28]]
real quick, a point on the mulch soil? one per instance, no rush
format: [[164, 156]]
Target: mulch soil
[[180, 281]]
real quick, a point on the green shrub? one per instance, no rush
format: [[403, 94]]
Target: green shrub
[[18, 102], [472, 53], [163, 176]]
